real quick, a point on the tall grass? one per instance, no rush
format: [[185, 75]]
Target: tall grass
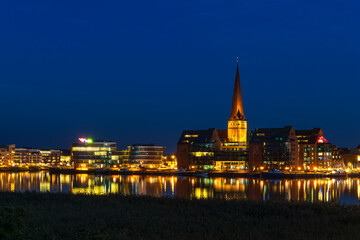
[[62, 216]]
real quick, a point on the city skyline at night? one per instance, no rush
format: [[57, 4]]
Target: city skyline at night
[[179, 119], [99, 71]]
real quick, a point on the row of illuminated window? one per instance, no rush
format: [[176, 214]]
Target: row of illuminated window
[[325, 154], [233, 149], [147, 149], [230, 144], [202, 154], [100, 153], [93, 161], [90, 149], [299, 136], [115, 157], [76, 157], [274, 162], [192, 136], [146, 157], [146, 153]]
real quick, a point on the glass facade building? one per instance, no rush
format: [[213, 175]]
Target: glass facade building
[[146, 155], [91, 154]]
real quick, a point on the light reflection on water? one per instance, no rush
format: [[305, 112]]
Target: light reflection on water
[[310, 190]]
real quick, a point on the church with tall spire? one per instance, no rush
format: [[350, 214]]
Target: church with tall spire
[[217, 149], [236, 148], [237, 124]]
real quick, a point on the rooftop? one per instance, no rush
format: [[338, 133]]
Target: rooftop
[[271, 134], [198, 136]]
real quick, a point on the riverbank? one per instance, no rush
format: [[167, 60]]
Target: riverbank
[[225, 174], [63, 216]]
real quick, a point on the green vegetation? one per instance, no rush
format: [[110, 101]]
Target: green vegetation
[[62, 216]]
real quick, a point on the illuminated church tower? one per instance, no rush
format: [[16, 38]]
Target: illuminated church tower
[[237, 124]]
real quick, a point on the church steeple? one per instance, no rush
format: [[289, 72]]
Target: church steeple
[[237, 110], [237, 124]]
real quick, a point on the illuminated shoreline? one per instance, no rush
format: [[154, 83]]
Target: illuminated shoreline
[[225, 174]]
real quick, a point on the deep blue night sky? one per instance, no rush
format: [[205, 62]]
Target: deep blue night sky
[[143, 71]]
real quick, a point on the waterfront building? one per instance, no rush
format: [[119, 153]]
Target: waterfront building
[[217, 149], [121, 158], [324, 152], [351, 157], [27, 157], [7, 154], [337, 160], [50, 156], [146, 155], [65, 158], [273, 148], [315, 152], [233, 154], [89, 154], [196, 149], [237, 124]]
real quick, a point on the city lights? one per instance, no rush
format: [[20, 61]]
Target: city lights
[[85, 140]]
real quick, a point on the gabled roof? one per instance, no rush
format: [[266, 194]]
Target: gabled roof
[[271, 134], [309, 136], [351, 151], [223, 134], [309, 132], [197, 136]]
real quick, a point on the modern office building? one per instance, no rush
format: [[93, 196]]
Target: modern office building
[[121, 158], [146, 155], [7, 155], [27, 157], [273, 148], [89, 154], [65, 158], [315, 152], [50, 156]]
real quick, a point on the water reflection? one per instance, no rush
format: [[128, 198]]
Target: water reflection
[[310, 190]]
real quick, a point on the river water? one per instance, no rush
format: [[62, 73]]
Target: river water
[[345, 191]]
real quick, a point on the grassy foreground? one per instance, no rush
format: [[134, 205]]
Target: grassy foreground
[[62, 216]]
